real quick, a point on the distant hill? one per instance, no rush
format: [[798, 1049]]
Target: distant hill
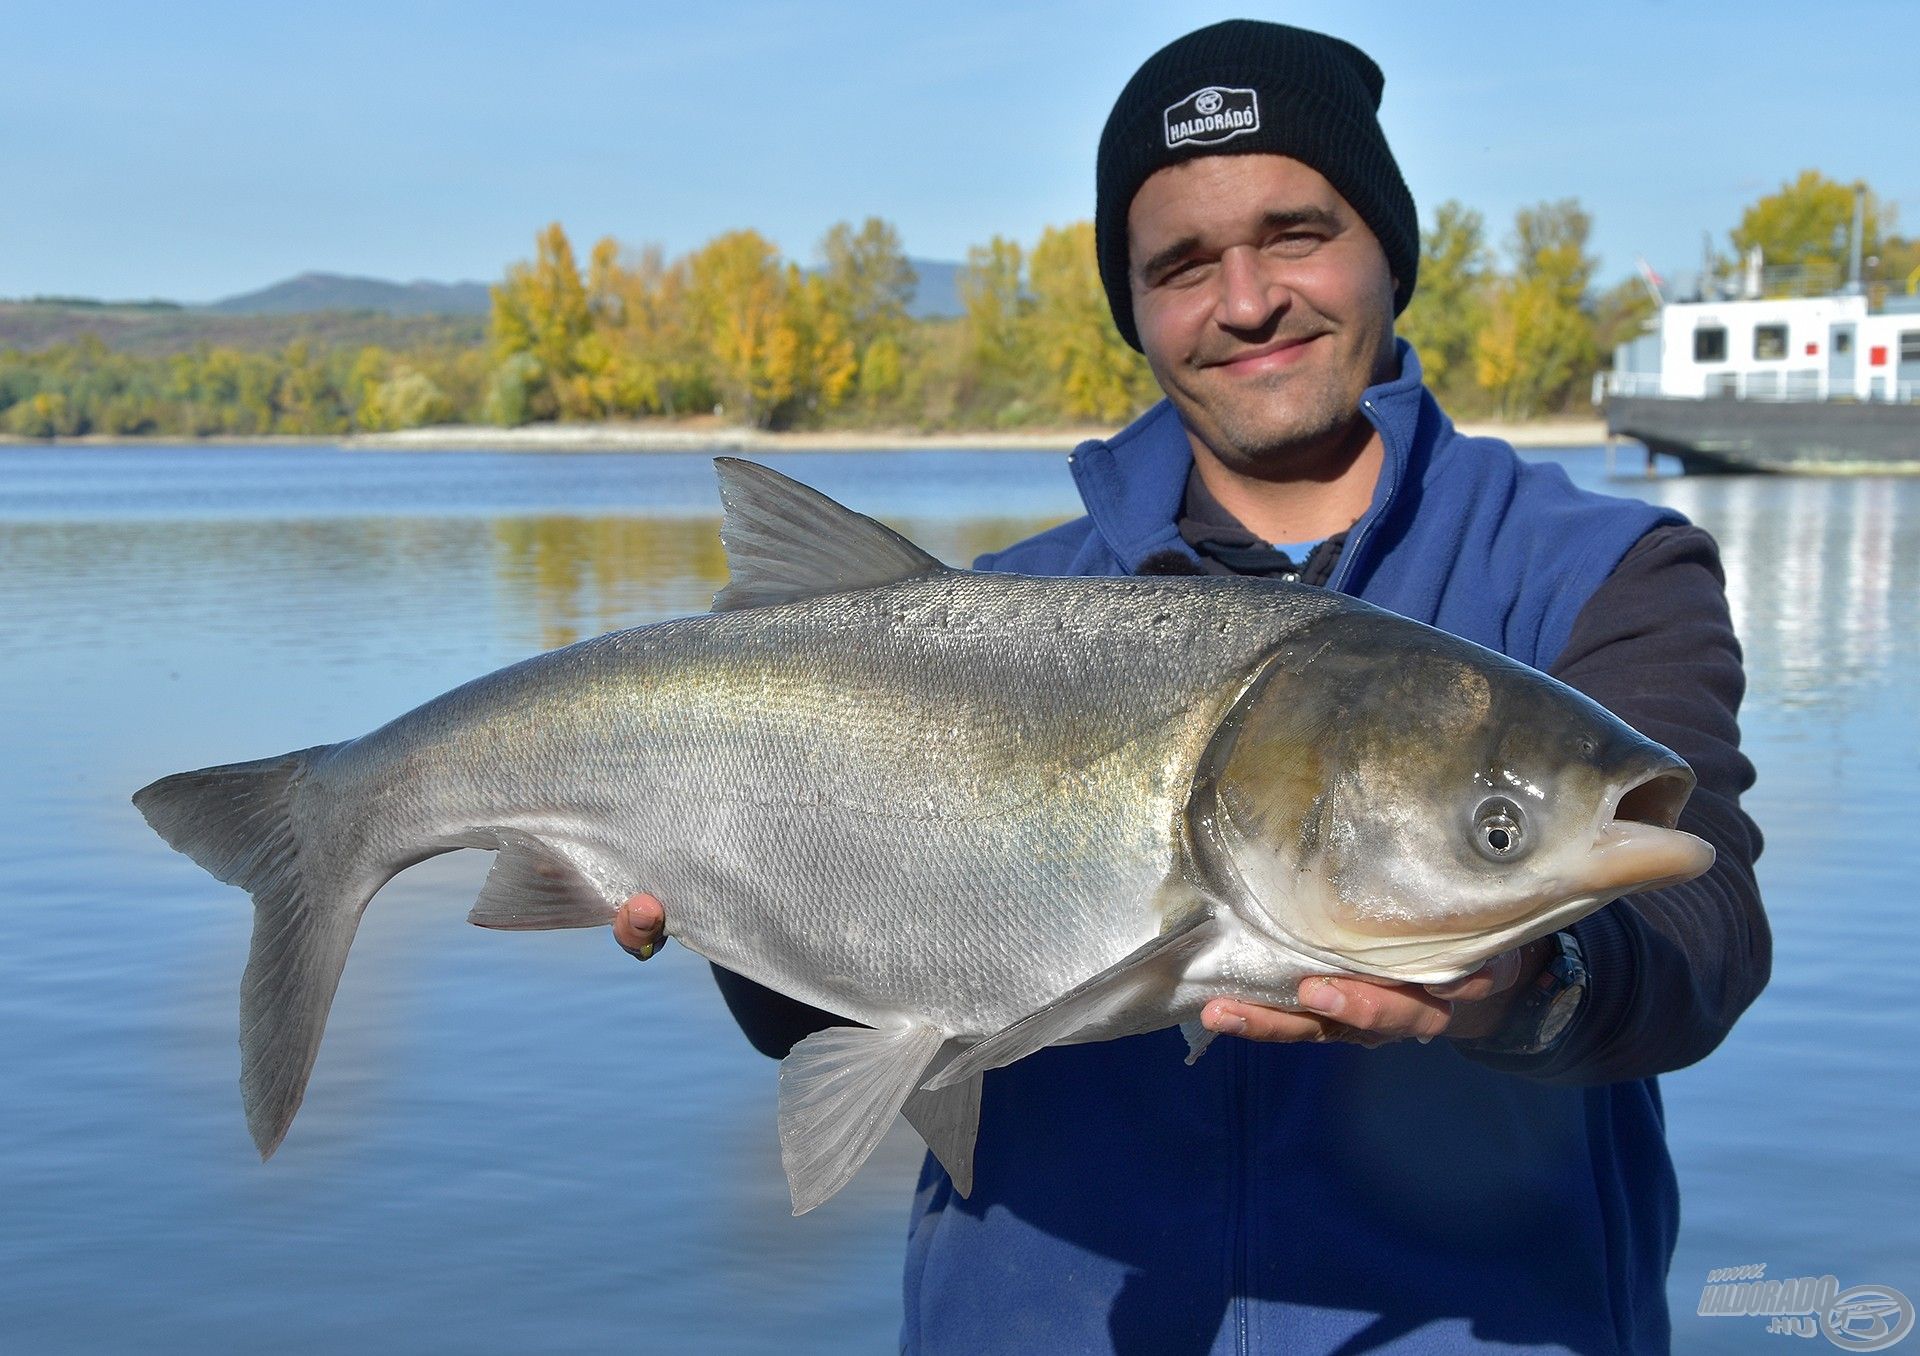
[[326, 310], [33, 325], [938, 293], [335, 292]]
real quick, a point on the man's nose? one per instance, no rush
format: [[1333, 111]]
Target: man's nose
[[1251, 292]]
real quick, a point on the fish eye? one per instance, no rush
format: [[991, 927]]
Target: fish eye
[[1499, 829]]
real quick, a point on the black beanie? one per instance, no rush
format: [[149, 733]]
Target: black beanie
[[1240, 88]]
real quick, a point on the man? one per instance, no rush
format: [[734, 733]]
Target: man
[[1327, 1185]]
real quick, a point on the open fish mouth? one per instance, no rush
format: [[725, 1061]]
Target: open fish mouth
[[1636, 845], [1657, 797]]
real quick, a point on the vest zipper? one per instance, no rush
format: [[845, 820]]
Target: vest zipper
[[1350, 556]]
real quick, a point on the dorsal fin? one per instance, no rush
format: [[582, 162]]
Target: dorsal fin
[[785, 542]]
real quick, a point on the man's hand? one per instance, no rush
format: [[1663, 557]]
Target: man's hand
[[1372, 1012], [640, 926], [1362, 1011]]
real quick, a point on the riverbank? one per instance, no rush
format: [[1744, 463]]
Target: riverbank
[[715, 437]]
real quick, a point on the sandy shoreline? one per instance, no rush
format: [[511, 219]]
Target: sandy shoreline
[[715, 438]]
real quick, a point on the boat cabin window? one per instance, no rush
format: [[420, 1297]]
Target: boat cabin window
[[1909, 346], [1710, 344], [1769, 342], [1843, 341]]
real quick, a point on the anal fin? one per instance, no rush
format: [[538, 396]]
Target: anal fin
[[839, 1092], [1086, 1004], [534, 887], [948, 1119]]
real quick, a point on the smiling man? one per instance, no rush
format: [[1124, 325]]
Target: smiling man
[[1328, 1185]]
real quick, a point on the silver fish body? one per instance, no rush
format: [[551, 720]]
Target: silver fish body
[[973, 814]]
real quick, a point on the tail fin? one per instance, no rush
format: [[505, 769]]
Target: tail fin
[[237, 822]]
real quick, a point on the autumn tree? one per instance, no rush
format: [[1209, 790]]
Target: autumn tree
[[1096, 374], [540, 319], [1538, 343], [735, 303], [640, 305], [1449, 307], [868, 279], [811, 361], [1807, 226], [993, 295]]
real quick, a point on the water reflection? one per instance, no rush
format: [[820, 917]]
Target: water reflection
[[1820, 576], [585, 576]]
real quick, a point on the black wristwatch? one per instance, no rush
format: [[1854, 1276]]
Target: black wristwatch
[[1540, 1019]]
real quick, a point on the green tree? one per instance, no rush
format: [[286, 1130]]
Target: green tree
[[540, 311], [868, 278], [1096, 375], [1449, 308], [1538, 343], [993, 295], [1619, 314], [881, 374], [736, 298], [1807, 225]]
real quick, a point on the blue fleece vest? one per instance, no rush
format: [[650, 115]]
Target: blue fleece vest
[[1316, 1198]]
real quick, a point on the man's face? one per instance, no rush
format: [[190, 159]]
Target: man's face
[[1264, 305]]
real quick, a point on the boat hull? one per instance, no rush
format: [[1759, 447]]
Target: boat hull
[[1726, 434]]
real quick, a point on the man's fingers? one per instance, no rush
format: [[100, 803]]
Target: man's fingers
[[640, 926], [1469, 988], [1355, 1011], [1389, 1010], [1496, 976]]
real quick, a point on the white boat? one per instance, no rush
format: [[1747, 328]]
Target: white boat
[[1827, 383]]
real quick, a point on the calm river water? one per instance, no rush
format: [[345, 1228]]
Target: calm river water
[[528, 1143]]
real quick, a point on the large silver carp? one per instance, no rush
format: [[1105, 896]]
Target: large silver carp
[[975, 814]]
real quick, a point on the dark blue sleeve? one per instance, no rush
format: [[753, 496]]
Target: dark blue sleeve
[[1670, 970]]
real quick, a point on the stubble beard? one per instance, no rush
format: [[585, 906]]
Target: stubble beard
[[1286, 426]]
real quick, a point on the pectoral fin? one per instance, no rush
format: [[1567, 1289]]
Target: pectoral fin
[[1198, 1039], [533, 886], [839, 1092], [1086, 1004], [948, 1120]]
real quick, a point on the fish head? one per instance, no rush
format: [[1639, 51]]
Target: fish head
[[1408, 804]]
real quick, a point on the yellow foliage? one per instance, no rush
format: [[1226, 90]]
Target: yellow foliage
[[1534, 348], [734, 291], [1097, 375], [540, 311]]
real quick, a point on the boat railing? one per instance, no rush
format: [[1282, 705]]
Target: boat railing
[[1791, 385]]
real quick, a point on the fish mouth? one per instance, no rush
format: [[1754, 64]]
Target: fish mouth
[[1637, 844]]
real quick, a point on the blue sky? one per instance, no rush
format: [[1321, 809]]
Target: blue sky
[[196, 150]]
